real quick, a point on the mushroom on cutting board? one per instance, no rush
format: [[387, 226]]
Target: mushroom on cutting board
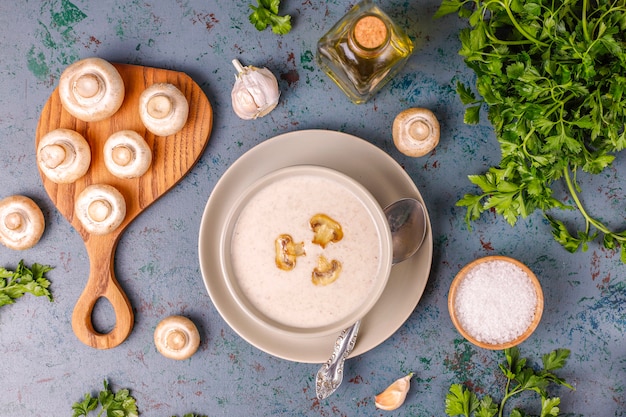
[[91, 89], [177, 337], [21, 222], [100, 208], [63, 155], [416, 131], [163, 109], [126, 154]]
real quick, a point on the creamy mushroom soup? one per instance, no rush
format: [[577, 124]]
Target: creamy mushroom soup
[[290, 297]]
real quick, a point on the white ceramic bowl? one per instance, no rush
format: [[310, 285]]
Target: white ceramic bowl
[[288, 301]]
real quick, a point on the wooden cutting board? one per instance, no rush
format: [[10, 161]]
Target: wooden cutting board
[[173, 156]]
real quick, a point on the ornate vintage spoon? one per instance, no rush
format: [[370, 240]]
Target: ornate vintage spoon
[[407, 221]]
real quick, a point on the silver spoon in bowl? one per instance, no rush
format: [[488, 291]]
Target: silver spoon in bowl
[[407, 222]]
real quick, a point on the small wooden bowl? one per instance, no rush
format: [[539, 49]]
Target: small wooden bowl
[[453, 292]]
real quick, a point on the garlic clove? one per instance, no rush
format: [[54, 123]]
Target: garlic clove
[[255, 92], [395, 394]]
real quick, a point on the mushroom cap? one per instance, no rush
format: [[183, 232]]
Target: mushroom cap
[[21, 222], [100, 208], [177, 337], [126, 154], [416, 132], [163, 109], [91, 89], [63, 155]]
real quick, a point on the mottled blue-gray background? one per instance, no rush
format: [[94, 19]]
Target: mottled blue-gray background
[[43, 366]]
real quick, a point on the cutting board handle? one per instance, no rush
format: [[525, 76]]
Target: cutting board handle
[[102, 283]]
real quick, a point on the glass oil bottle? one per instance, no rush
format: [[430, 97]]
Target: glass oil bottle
[[363, 51]]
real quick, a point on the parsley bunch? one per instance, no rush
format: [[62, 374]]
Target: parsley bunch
[[266, 13], [520, 377], [552, 74], [14, 284]]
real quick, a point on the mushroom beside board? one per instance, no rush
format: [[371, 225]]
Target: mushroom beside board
[[63, 155], [21, 222], [100, 208], [91, 89], [126, 154], [163, 109], [416, 132], [177, 337]]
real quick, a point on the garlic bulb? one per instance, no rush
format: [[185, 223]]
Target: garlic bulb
[[255, 92], [395, 394]]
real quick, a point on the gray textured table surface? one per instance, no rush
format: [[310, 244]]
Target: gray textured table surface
[[44, 368]]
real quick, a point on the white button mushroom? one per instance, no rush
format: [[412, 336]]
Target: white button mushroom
[[91, 89], [21, 222], [126, 154], [63, 155], [177, 337], [255, 92], [163, 109], [416, 132], [100, 208]]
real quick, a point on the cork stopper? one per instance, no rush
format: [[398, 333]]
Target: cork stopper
[[370, 32]]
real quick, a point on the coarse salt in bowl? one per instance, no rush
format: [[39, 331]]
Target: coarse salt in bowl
[[495, 302]]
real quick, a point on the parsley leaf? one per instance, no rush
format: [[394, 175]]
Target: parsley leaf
[[112, 404], [520, 377], [551, 77], [266, 13], [14, 284]]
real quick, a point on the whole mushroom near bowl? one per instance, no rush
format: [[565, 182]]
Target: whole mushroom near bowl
[[416, 132]]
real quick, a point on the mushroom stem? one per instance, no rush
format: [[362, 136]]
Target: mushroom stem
[[176, 339], [14, 221], [88, 85], [159, 106], [122, 155], [99, 210], [419, 130], [54, 155]]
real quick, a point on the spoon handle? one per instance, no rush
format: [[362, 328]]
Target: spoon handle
[[330, 375]]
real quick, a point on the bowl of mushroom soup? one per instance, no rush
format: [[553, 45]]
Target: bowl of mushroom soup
[[306, 250]]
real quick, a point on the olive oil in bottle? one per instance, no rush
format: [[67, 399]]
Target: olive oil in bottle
[[363, 51]]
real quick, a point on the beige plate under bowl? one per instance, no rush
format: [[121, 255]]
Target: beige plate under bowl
[[385, 179], [368, 203], [459, 278]]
